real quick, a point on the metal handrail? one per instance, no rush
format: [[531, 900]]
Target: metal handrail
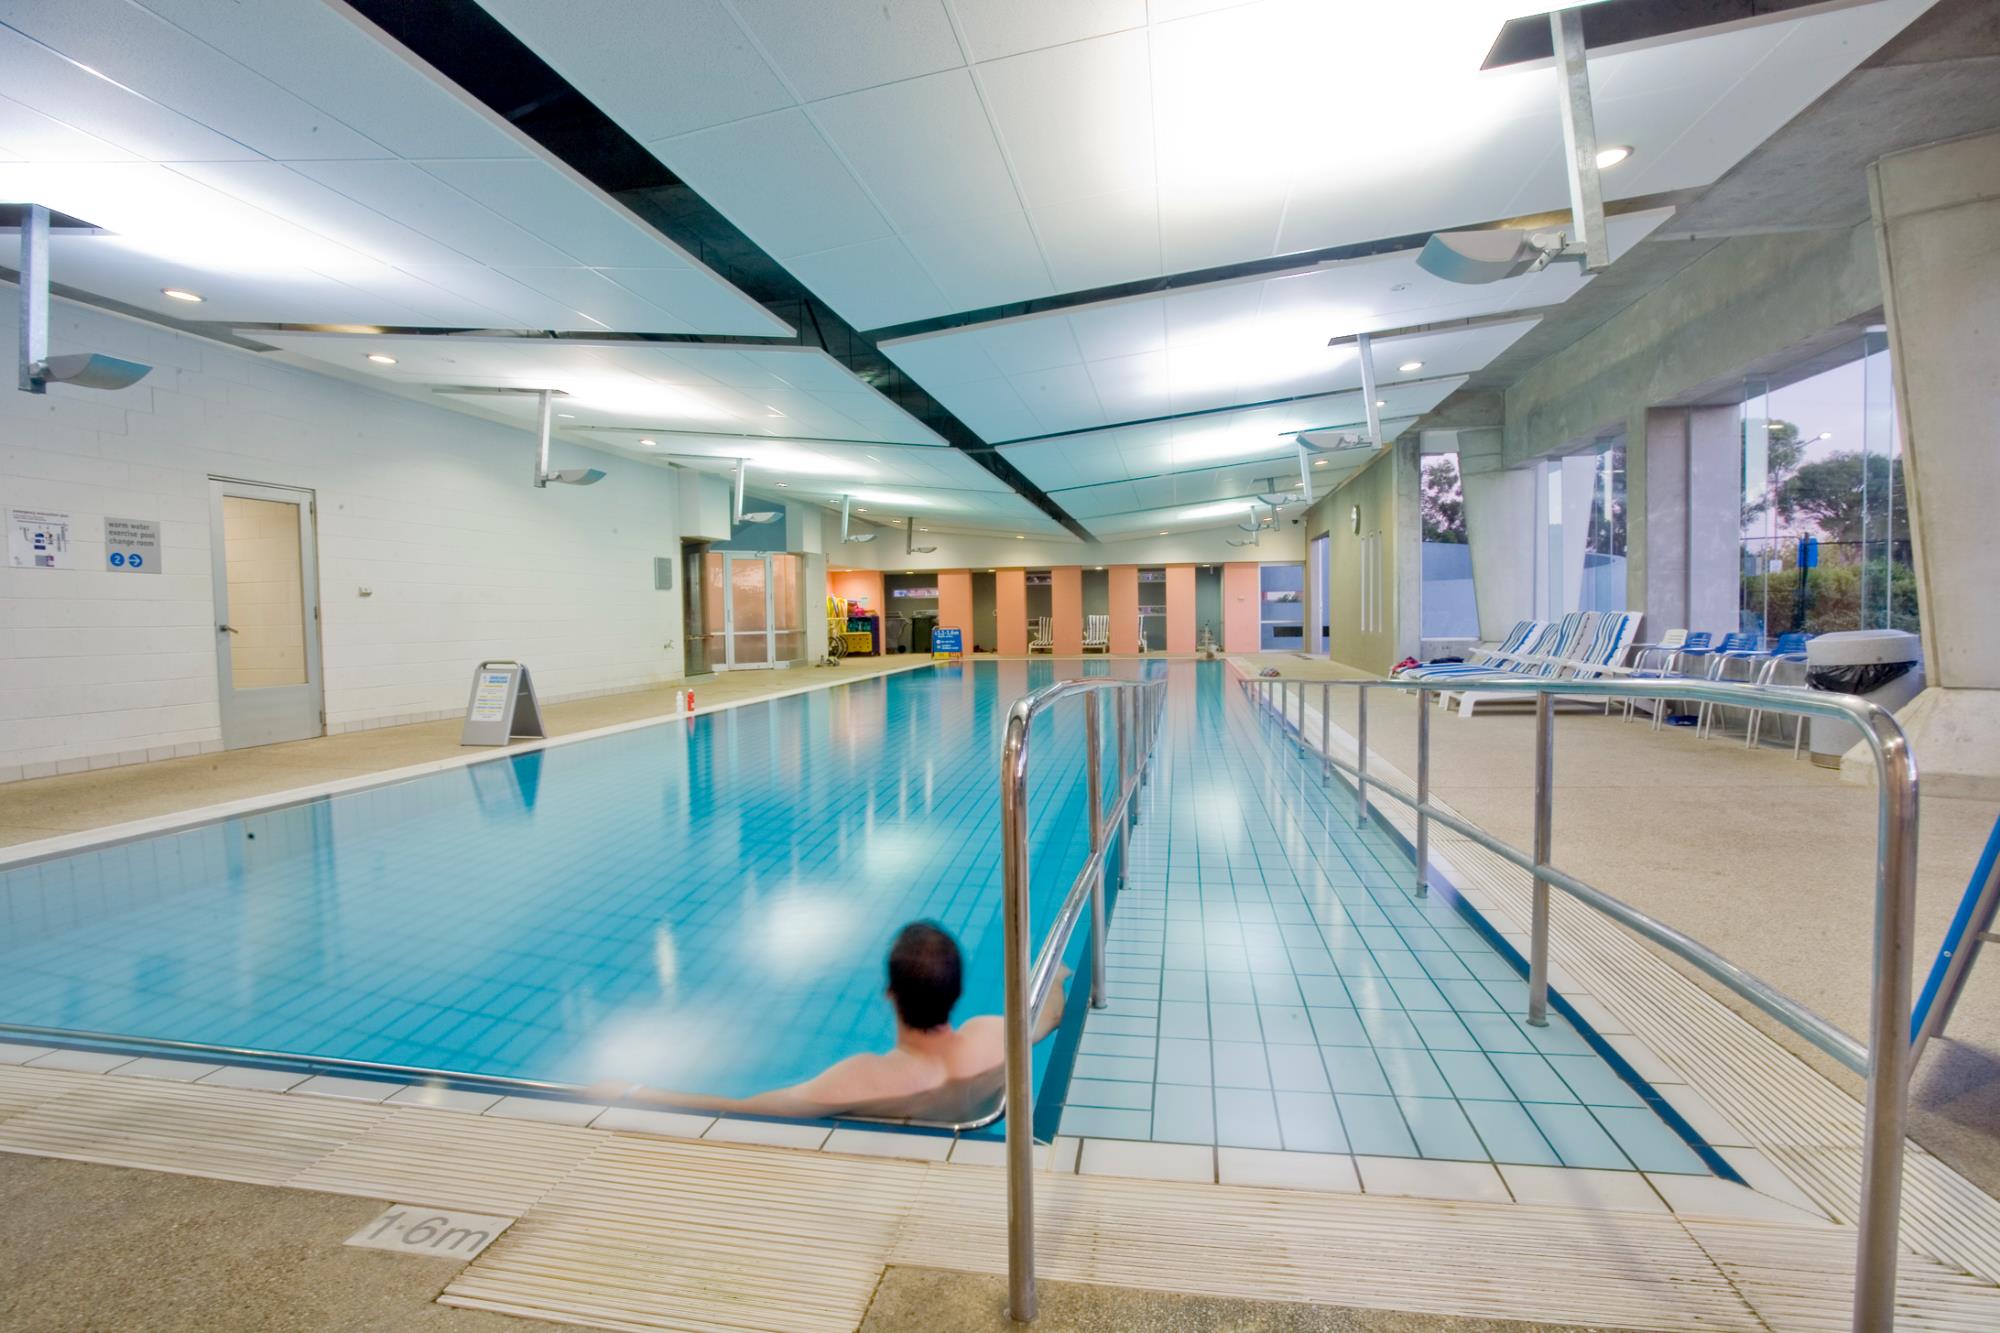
[[1139, 707], [1886, 1060]]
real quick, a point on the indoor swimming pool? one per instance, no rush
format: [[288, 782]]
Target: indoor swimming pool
[[705, 906]]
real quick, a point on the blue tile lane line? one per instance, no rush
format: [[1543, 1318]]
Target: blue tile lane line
[[1275, 984]]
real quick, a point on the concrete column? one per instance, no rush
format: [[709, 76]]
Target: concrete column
[[1714, 518], [1656, 519], [1180, 609], [1500, 529], [1937, 232], [955, 602], [1242, 607], [1010, 598]]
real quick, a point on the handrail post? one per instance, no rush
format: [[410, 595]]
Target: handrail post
[[1125, 783], [1360, 755], [1325, 730], [1891, 1056], [1302, 712], [1538, 941], [1017, 1020], [1093, 785], [1423, 793]]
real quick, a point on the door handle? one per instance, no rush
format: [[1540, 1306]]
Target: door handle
[[227, 629]]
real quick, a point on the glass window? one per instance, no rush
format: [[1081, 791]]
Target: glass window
[[1825, 523], [1450, 610], [1603, 583]]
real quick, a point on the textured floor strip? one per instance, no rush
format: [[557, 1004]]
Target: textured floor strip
[[650, 1235], [1804, 1123]]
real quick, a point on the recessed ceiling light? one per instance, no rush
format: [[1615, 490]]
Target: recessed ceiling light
[[1410, 367], [382, 359], [1019, 537], [1319, 462], [182, 294], [1163, 532], [781, 483], [861, 509], [649, 443], [1381, 402], [1611, 155]]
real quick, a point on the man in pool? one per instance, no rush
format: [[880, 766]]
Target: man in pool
[[935, 1072]]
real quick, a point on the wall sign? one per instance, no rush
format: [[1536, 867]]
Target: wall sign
[[947, 641], [502, 705], [132, 545], [40, 539]]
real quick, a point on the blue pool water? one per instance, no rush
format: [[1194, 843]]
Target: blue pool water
[[703, 905]]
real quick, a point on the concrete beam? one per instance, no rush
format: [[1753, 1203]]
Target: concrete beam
[[1748, 298]]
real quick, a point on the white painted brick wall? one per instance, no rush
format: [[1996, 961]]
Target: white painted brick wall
[[431, 509]]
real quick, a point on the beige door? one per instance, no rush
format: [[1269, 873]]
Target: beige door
[[266, 613]]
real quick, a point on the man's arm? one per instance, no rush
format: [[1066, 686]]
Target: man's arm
[[842, 1085]]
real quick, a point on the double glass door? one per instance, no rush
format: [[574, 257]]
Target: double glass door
[[751, 613]]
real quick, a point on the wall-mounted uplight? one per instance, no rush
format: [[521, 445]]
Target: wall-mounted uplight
[[182, 294], [649, 443], [1409, 368], [1611, 155], [382, 358]]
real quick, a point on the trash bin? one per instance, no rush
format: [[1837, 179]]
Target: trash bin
[[1883, 666], [921, 625]]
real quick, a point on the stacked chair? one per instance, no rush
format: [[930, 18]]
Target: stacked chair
[[1097, 634], [1041, 638]]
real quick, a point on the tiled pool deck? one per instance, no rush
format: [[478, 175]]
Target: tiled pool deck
[[1274, 983]]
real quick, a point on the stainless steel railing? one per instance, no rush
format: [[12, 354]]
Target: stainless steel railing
[[1886, 1060], [1138, 707]]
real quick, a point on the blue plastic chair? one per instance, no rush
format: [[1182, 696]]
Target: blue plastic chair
[[1745, 648], [1789, 651], [1698, 645]]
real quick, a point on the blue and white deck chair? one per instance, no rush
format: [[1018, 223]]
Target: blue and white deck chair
[[1517, 641], [1553, 654]]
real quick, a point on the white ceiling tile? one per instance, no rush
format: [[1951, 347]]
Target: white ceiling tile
[[1119, 328], [1061, 398], [32, 136], [1203, 229], [405, 193], [97, 107], [603, 301], [799, 198], [827, 47], [279, 189], [588, 229], [873, 284], [940, 360], [1016, 347], [700, 299], [321, 57], [923, 149], [997, 28], [129, 45], [1099, 240], [512, 305], [674, 68], [1075, 120], [992, 410]]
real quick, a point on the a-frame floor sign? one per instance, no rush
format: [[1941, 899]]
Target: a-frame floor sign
[[502, 706]]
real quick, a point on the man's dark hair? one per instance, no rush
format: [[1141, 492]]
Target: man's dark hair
[[924, 975]]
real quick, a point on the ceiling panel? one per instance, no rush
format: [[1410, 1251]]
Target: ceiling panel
[[941, 489], [1138, 139], [1218, 346], [285, 143], [772, 392], [1248, 437]]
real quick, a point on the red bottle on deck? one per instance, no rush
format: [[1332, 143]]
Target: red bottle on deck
[[690, 706]]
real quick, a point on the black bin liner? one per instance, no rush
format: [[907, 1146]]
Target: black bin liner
[[1857, 678]]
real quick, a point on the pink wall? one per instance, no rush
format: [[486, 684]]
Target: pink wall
[[1124, 608], [858, 585], [1240, 592], [955, 601], [1010, 609], [1066, 608], [1180, 608]]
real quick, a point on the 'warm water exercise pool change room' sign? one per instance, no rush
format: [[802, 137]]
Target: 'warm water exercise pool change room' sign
[[502, 705]]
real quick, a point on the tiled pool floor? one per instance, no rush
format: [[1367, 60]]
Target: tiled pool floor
[[1275, 984]]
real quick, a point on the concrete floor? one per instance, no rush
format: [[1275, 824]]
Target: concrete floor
[[923, 1300], [104, 1249], [1766, 859], [46, 807]]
